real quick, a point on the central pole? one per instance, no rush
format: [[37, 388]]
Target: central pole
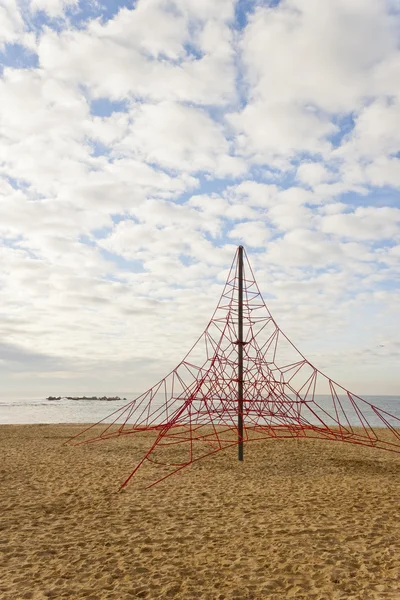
[[240, 354]]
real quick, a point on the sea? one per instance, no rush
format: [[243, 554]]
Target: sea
[[39, 410]]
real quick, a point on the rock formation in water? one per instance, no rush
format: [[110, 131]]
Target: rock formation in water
[[104, 398]]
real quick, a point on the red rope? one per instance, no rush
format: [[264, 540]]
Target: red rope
[[195, 406]]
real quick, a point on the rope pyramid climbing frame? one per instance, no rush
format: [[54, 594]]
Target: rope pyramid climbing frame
[[243, 380]]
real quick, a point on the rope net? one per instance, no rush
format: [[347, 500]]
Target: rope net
[[193, 411]]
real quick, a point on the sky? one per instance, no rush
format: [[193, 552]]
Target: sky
[[142, 142]]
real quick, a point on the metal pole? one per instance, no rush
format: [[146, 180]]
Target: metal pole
[[240, 354]]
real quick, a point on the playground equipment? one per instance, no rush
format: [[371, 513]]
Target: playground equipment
[[243, 380]]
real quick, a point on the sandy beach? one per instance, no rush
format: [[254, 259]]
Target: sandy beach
[[308, 519]]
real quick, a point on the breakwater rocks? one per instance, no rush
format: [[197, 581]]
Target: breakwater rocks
[[103, 398]]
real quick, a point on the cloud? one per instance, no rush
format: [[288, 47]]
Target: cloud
[[54, 8], [268, 132], [368, 154], [14, 34], [253, 193], [214, 206], [304, 247], [181, 138], [306, 62], [251, 233], [313, 173], [316, 53], [365, 223], [376, 130], [149, 140], [18, 357], [143, 52], [41, 129], [11, 23], [384, 171]]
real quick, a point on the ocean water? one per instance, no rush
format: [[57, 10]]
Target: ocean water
[[41, 411]]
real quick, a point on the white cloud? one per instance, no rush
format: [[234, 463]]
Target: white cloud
[[207, 10], [251, 233], [108, 130], [304, 247], [253, 193], [384, 171], [212, 207], [305, 62], [160, 213], [289, 216], [367, 154], [365, 223], [12, 28], [320, 52], [31, 102], [180, 138], [313, 173], [333, 208], [41, 129], [268, 131], [11, 22], [54, 8], [45, 126], [142, 52]]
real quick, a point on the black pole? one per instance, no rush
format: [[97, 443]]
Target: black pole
[[240, 354]]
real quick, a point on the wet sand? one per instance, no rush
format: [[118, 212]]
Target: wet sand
[[307, 519]]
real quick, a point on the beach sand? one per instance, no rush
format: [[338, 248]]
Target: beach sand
[[307, 519]]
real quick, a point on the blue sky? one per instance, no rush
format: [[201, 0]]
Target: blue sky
[[141, 142]]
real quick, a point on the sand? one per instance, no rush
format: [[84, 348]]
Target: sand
[[298, 519]]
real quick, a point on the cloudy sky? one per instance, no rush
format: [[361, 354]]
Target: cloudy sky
[[141, 142]]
